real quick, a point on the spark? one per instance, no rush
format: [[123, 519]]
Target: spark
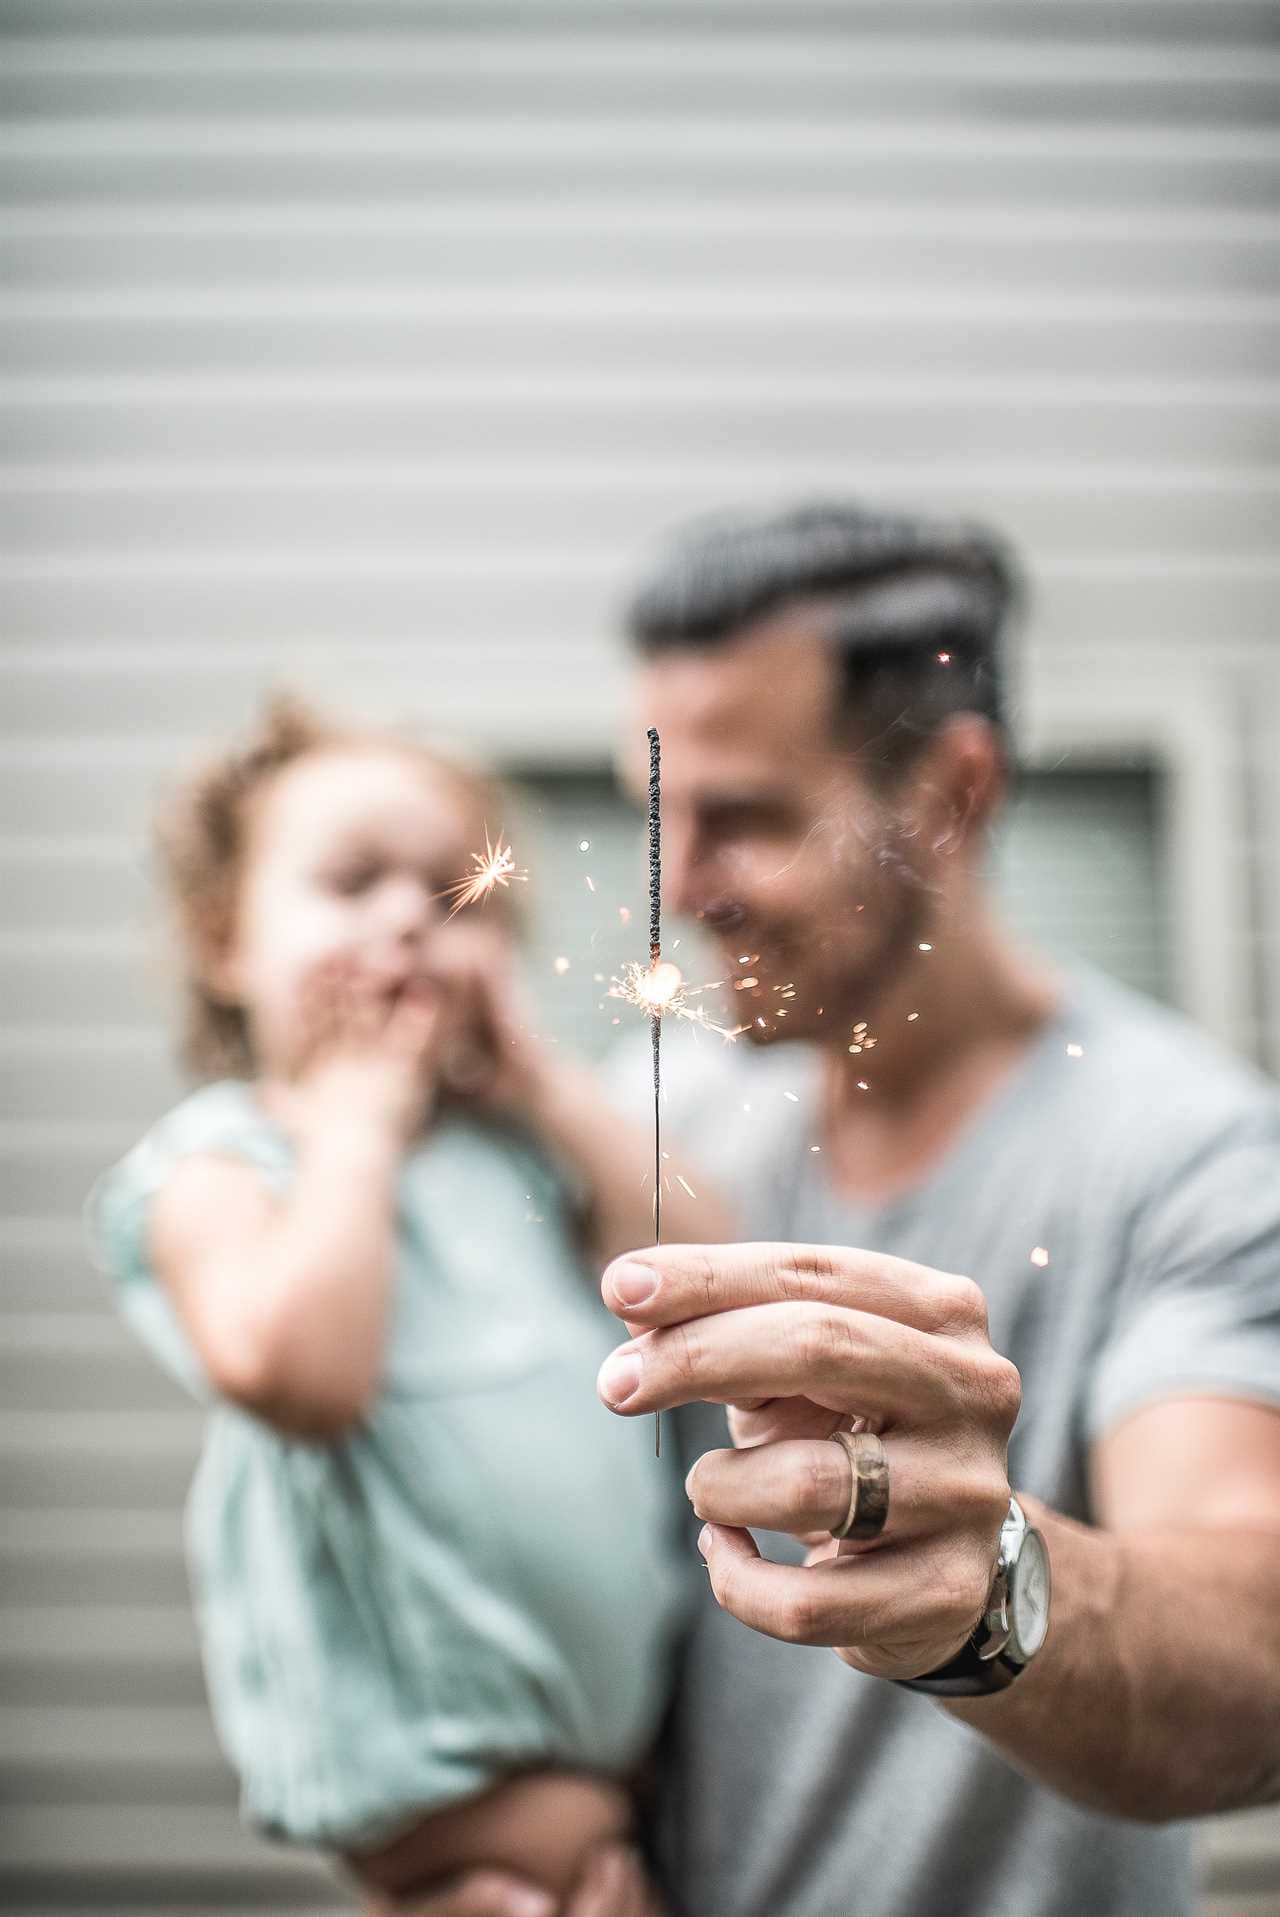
[[584, 845], [680, 1180], [944, 658], [494, 867], [815, 1148], [1040, 1257], [1075, 1051], [591, 884], [912, 1017], [793, 1096], [624, 913], [924, 946], [745, 984], [561, 966], [863, 1085], [660, 992]]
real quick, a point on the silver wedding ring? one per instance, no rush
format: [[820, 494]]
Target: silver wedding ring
[[868, 1485]]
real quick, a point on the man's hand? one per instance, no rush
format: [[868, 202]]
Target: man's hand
[[613, 1884], [800, 1340]]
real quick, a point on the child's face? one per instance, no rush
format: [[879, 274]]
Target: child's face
[[348, 852]]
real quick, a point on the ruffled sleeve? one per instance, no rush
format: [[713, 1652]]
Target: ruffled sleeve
[[220, 1118]]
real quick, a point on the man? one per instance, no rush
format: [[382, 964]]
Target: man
[[1044, 1177]]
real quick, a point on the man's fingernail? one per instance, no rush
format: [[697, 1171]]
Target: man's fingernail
[[619, 1377], [704, 1539], [632, 1284]]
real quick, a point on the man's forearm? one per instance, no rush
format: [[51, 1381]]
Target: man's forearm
[[1157, 1693]]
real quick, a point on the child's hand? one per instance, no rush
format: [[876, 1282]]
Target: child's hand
[[366, 1055], [489, 1055]]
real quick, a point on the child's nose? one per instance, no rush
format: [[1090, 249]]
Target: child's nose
[[407, 907]]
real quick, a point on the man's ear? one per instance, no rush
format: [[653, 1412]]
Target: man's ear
[[957, 784]]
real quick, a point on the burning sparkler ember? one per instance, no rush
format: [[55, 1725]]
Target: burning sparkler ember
[[660, 992], [494, 867]]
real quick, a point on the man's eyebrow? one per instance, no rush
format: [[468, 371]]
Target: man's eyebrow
[[768, 799]]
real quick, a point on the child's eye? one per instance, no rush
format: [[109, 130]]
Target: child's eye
[[350, 880]]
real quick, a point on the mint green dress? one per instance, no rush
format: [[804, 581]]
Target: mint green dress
[[484, 1577]]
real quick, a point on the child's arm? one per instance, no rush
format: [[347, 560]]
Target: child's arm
[[612, 1158], [286, 1298], [509, 1072]]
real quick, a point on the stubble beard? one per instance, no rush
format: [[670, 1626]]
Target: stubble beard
[[844, 992]]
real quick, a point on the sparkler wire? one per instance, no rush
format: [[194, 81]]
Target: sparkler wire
[[655, 1016]]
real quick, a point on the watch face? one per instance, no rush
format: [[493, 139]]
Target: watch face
[[1029, 1597]]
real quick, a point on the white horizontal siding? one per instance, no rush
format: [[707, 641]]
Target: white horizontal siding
[[366, 347]]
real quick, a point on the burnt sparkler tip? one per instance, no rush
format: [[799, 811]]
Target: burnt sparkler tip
[[655, 1022]]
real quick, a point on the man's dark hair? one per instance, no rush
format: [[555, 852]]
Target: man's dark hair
[[919, 607]]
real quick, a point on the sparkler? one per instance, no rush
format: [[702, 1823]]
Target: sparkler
[[659, 991], [493, 867]]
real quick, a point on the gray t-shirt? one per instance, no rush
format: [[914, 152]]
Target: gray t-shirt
[[1119, 1203]]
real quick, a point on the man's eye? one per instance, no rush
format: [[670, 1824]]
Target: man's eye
[[744, 822]]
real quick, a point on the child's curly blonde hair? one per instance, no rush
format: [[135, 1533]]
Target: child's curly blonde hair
[[202, 833]]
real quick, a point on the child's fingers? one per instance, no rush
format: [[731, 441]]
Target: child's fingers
[[481, 1893], [414, 1022], [613, 1884], [368, 1014], [318, 1002]]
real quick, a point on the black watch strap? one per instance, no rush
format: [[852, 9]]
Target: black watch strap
[[995, 1653], [967, 1675]]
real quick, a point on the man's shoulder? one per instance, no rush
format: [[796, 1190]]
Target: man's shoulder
[[1146, 1078]]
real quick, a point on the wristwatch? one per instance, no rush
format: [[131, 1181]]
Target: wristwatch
[[1013, 1626]]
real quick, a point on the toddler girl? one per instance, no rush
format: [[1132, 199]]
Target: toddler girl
[[436, 1583]]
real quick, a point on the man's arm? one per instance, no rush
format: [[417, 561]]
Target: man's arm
[[1157, 1693]]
